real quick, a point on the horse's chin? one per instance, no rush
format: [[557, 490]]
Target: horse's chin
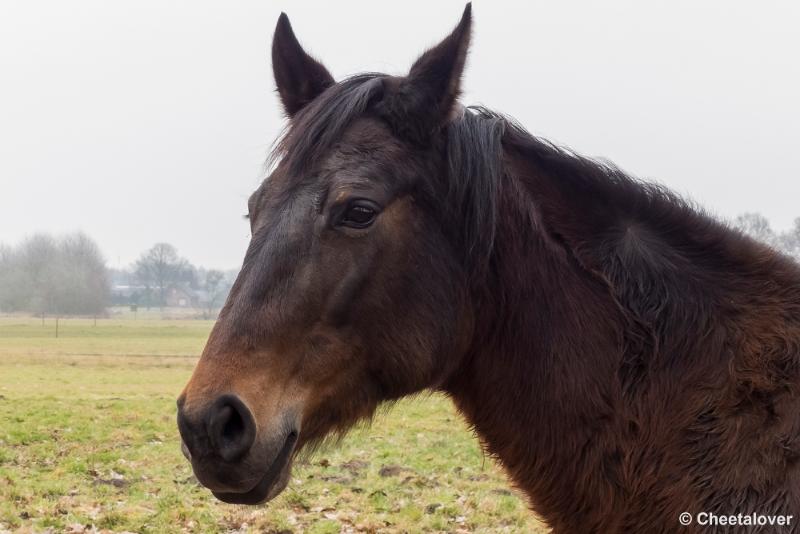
[[262, 493], [274, 481]]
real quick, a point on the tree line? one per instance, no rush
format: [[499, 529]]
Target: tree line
[[68, 275], [55, 276]]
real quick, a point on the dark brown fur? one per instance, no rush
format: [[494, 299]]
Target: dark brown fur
[[624, 356]]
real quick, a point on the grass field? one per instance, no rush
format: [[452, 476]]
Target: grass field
[[88, 443]]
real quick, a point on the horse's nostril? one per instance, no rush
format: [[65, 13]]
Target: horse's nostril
[[231, 428], [234, 427], [226, 429]]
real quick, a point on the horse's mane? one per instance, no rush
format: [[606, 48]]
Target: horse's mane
[[478, 142]]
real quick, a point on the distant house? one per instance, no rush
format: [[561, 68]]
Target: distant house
[[182, 297], [176, 296], [203, 298]]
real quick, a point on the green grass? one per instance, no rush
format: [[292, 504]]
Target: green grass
[[88, 439]]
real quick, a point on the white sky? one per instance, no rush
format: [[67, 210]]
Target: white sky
[[149, 121]]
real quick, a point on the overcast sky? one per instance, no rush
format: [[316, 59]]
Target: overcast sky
[[148, 121]]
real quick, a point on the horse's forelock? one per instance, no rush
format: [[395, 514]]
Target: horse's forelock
[[311, 133]]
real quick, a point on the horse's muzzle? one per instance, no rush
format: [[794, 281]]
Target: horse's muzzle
[[226, 456]]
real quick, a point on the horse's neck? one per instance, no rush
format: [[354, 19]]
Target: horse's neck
[[553, 384], [535, 384]]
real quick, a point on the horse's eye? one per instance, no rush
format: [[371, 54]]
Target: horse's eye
[[359, 214]]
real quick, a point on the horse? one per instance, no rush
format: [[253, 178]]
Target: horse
[[624, 356]]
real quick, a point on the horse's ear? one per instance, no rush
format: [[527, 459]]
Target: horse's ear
[[428, 93], [437, 72], [300, 78]]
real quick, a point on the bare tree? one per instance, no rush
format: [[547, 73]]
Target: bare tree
[[14, 283], [217, 287], [159, 267], [790, 241], [83, 277], [38, 259], [757, 226]]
